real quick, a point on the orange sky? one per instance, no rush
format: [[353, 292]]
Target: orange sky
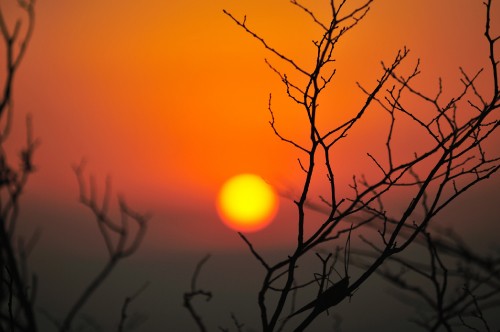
[[170, 97]]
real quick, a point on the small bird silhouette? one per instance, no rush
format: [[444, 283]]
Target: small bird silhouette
[[329, 298]]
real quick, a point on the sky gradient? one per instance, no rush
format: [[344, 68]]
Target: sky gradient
[[170, 98]]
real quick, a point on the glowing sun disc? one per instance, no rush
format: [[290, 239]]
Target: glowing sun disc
[[247, 203]]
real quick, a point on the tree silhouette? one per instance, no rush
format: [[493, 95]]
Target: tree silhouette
[[18, 287], [452, 159], [449, 283], [369, 236]]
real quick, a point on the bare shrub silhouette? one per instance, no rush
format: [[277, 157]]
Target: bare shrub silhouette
[[448, 283], [18, 286], [121, 242], [453, 158]]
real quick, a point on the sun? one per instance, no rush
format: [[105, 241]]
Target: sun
[[247, 203]]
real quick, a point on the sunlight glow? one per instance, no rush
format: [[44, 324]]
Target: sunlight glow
[[247, 203]]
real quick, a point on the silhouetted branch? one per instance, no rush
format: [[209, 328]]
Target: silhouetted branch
[[196, 292], [12, 40], [126, 303], [250, 246], [17, 287], [452, 163], [239, 326], [120, 242]]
